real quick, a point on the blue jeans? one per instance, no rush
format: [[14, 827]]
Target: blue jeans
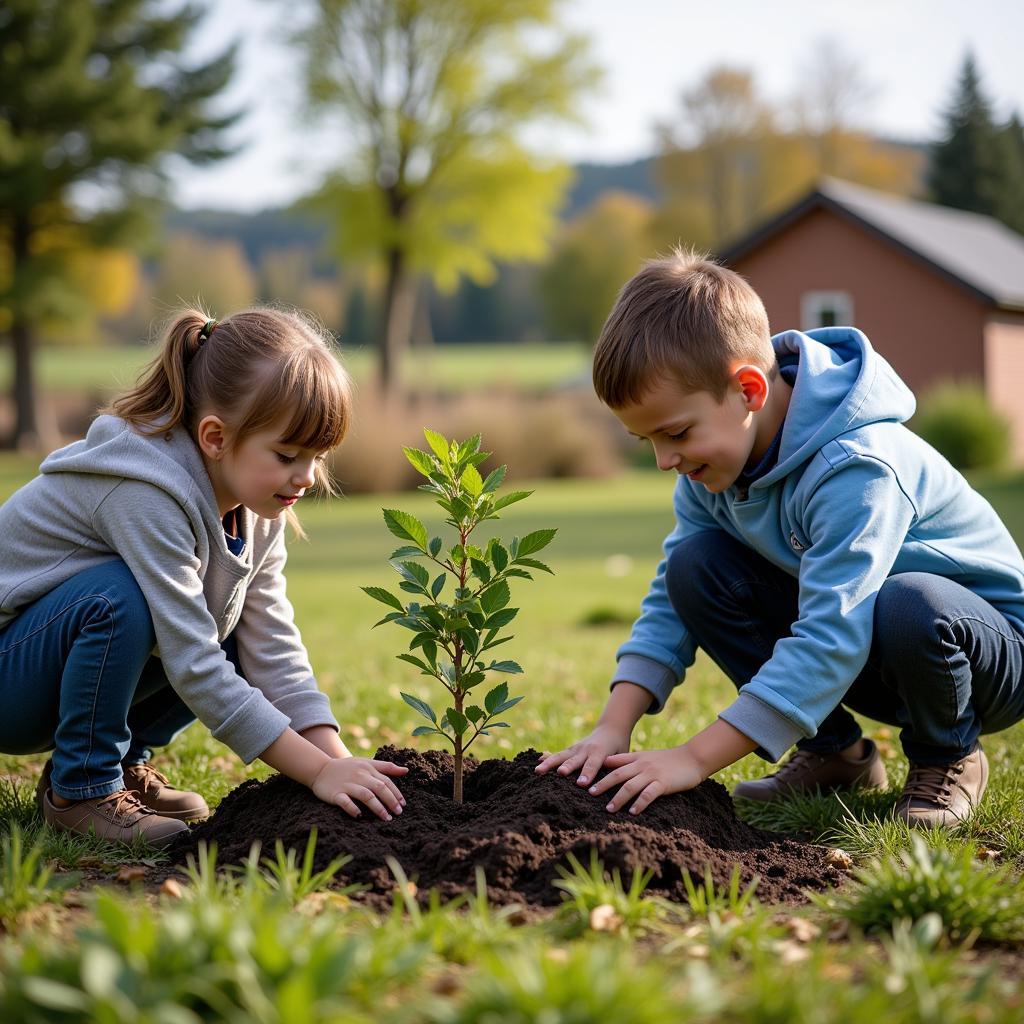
[[944, 665], [77, 677]]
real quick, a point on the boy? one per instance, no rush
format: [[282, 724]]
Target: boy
[[824, 556]]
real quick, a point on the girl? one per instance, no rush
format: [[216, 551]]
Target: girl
[[142, 586]]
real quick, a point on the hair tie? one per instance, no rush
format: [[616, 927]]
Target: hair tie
[[208, 328]]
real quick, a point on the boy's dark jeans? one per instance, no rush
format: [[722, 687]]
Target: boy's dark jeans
[[944, 665]]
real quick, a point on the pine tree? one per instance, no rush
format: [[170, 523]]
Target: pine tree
[[966, 168], [1011, 204], [93, 95]]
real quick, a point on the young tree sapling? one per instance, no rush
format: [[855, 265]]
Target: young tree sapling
[[451, 638]]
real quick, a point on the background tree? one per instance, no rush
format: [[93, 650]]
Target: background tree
[[92, 95], [731, 158], [211, 271], [434, 95], [964, 170], [596, 254]]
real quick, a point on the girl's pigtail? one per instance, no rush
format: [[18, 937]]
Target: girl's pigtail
[[157, 403]]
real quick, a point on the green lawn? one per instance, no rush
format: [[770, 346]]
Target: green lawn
[[106, 370], [733, 963]]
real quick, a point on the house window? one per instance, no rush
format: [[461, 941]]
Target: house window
[[826, 309]]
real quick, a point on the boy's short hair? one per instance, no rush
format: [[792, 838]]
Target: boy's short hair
[[683, 316]]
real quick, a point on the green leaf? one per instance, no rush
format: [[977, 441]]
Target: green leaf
[[439, 444], [509, 499], [413, 660], [421, 706], [385, 597], [506, 704], [495, 725], [435, 546], [471, 481], [499, 555], [438, 585], [469, 447], [474, 714], [495, 697], [521, 574], [480, 570], [460, 509], [420, 460], [501, 618], [496, 596], [414, 571], [510, 667], [425, 730], [390, 617], [534, 564], [534, 542], [403, 552], [406, 527], [494, 479], [457, 720]]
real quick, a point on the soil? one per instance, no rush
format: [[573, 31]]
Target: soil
[[518, 826]]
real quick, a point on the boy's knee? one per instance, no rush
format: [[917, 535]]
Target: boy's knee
[[907, 612], [692, 567]]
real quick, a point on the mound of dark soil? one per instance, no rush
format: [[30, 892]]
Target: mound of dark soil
[[516, 825]]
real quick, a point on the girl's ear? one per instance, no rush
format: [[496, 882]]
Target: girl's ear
[[754, 385], [211, 436]]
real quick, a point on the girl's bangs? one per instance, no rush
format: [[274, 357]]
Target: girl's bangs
[[313, 391]]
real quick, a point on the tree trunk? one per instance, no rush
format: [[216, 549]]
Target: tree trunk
[[399, 307], [457, 787], [23, 391]]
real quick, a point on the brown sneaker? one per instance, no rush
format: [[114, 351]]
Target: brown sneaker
[[119, 817], [807, 772], [155, 791], [943, 795]]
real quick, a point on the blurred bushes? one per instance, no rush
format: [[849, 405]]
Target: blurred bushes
[[958, 420], [564, 434]]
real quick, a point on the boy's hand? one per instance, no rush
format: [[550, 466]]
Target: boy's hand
[[343, 780], [590, 753], [647, 774]]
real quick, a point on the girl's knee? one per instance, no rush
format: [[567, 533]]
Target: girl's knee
[[117, 594]]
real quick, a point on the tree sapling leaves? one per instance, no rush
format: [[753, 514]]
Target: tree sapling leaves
[[532, 542], [420, 460], [439, 445], [406, 527], [421, 706], [457, 720], [385, 597]]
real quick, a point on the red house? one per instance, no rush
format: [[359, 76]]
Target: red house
[[939, 292]]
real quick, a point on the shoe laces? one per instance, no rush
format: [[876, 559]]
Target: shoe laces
[[123, 804], [148, 777], [799, 762], [933, 783]]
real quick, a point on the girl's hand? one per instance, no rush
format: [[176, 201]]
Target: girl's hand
[[343, 780], [648, 774], [590, 753]]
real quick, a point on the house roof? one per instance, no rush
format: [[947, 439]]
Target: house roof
[[973, 250]]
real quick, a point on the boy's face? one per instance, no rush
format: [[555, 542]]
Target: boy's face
[[696, 435]]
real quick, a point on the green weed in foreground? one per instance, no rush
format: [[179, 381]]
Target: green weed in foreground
[[971, 900], [26, 880], [598, 900]]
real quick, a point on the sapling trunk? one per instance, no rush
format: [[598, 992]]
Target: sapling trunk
[[451, 637]]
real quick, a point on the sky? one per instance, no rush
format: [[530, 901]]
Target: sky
[[908, 51]]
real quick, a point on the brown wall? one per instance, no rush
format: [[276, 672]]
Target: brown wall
[[1004, 373], [928, 328]]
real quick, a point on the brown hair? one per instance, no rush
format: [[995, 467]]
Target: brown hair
[[683, 316], [254, 369]]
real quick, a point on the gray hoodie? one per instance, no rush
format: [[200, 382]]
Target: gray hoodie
[[149, 501]]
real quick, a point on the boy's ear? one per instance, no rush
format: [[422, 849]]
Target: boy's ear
[[211, 436], [754, 384]]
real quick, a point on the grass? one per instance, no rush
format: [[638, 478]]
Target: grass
[[290, 952], [108, 369]]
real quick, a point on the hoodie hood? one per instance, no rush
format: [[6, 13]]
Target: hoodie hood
[[841, 384], [170, 461]]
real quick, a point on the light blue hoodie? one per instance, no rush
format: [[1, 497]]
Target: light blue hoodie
[[854, 498]]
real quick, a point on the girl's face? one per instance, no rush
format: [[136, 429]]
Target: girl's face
[[261, 472]]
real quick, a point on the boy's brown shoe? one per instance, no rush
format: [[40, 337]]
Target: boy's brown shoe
[[943, 795], [155, 791], [807, 772], [119, 817]]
